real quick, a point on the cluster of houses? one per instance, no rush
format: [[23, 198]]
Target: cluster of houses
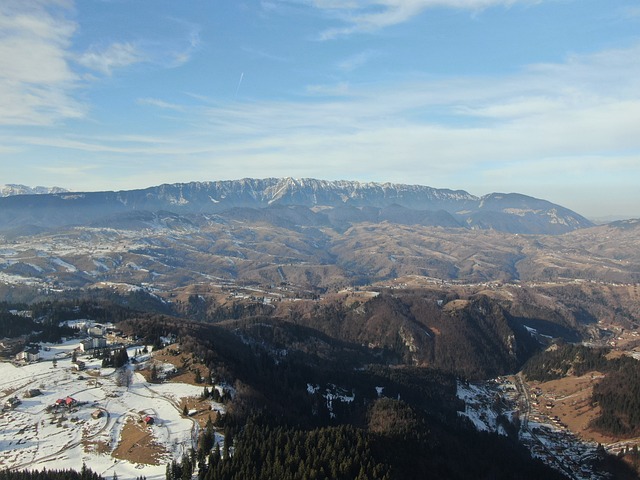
[[13, 402], [96, 333], [30, 354], [68, 402], [97, 338], [9, 345]]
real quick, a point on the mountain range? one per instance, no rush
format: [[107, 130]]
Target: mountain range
[[307, 202], [15, 189]]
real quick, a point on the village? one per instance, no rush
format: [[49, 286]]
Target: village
[[508, 406], [62, 407]]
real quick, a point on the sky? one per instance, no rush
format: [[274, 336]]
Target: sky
[[540, 97]]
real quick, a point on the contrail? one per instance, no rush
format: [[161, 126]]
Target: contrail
[[239, 83]]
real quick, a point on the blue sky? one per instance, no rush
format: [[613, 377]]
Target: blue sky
[[540, 97]]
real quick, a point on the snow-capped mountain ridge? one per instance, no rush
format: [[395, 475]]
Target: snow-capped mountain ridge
[[312, 192], [16, 189], [341, 201]]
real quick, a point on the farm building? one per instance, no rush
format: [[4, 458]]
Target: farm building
[[148, 420]]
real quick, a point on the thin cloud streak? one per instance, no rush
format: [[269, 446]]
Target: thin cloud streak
[[543, 111], [154, 102], [363, 16]]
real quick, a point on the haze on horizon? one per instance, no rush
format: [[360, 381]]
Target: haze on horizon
[[540, 97]]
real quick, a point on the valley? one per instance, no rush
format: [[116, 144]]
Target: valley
[[552, 419]]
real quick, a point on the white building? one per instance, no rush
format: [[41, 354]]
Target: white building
[[28, 355]]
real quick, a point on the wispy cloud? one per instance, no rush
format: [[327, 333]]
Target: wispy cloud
[[36, 81], [40, 74], [589, 104], [357, 61], [154, 102], [548, 118], [371, 15], [340, 89], [116, 55], [180, 52]]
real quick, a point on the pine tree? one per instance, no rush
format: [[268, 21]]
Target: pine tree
[[187, 468], [120, 358], [153, 375], [215, 457]]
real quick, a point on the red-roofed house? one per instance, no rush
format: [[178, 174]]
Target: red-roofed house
[[67, 402]]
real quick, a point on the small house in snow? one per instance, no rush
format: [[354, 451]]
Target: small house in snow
[[97, 414], [28, 355], [148, 420], [32, 392], [12, 402]]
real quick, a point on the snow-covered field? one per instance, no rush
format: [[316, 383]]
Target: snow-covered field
[[33, 435]]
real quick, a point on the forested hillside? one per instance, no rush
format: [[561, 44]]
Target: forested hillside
[[617, 394]]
